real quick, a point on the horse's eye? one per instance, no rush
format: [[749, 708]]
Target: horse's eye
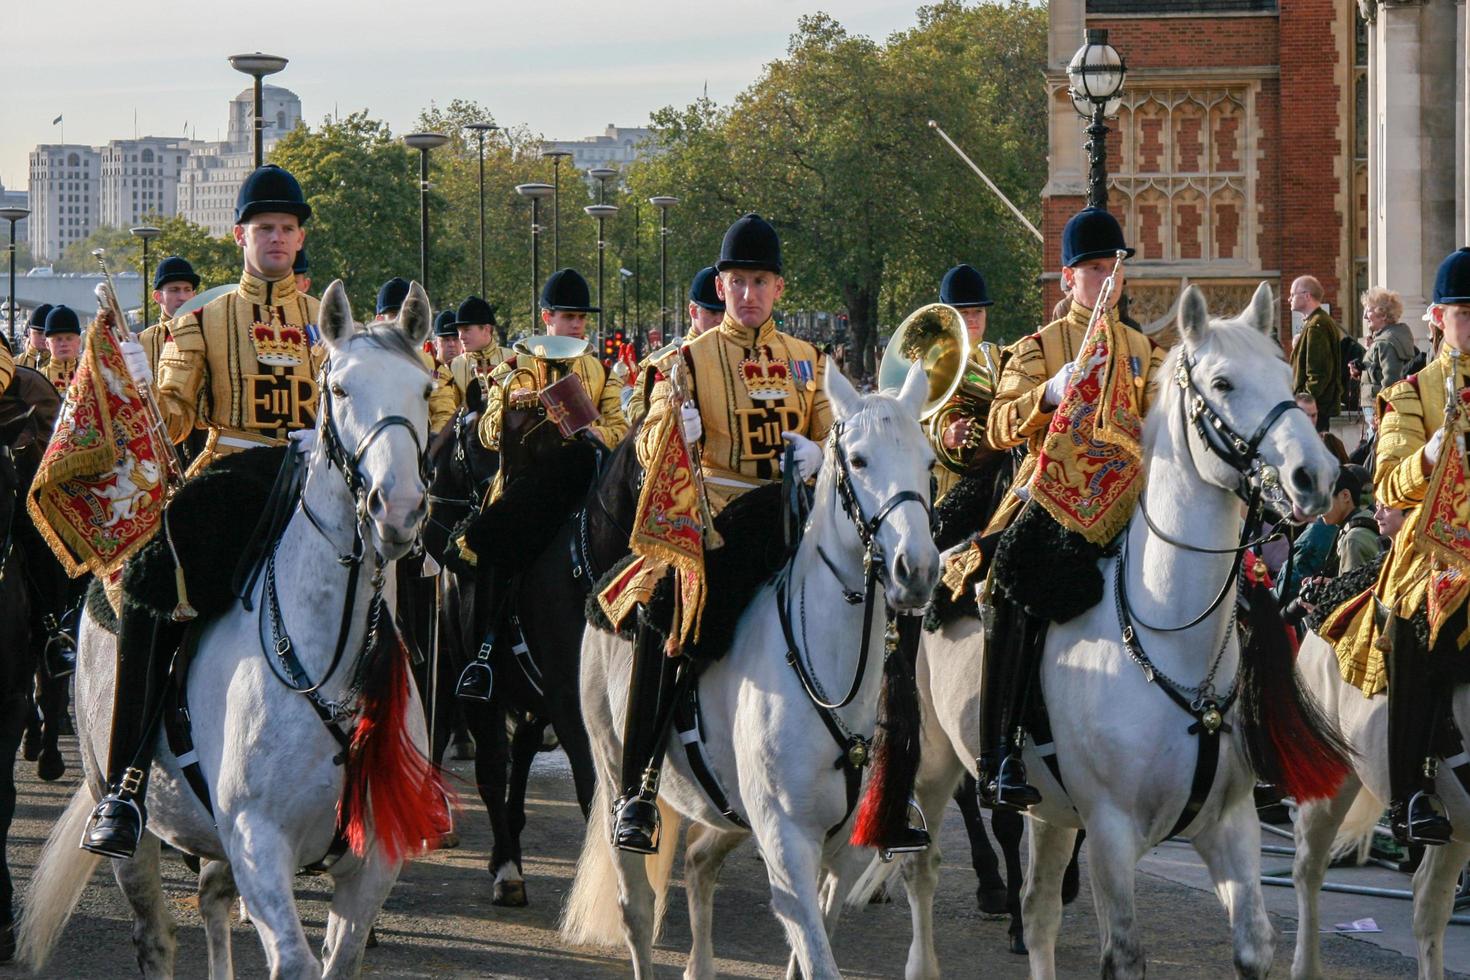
[[1222, 385], [338, 390], [858, 461]]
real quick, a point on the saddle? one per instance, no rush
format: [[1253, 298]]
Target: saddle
[[534, 505]]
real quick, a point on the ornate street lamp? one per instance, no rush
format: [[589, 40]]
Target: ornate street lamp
[[1096, 74], [257, 66], [481, 129], [663, 202], [535, 192], [147, 233], [601, 212], [12, 215], [556, 157], [424, 142], [602, 175]]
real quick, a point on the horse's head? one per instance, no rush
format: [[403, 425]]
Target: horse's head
[[1233, 389], [878, 463], [374, 414]]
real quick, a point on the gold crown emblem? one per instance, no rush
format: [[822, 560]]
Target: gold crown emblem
[[766, 379], [279, 345]]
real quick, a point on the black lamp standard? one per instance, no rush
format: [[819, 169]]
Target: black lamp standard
[[1096, 74], [257, 66], [624, 275], [556, 157], [535, 192], [480, 129], [663, 202], [12, 215], [601, 212], [424, 142], [147, 233]]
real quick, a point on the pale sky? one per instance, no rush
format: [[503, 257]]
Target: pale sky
[[565, 68]]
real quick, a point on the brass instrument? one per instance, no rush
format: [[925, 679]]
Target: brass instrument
[[935, 337], [116, 325], [550, 359]]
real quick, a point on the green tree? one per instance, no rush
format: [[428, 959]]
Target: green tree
[[216, 260]]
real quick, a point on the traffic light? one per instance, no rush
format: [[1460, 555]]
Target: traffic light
[[611, 344]]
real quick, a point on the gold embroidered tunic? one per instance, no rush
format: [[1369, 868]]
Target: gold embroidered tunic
[[983, 362], [610, 426], [32, 358], [750, 385], [152, 340], [452, 382], [59, 372], [243, 367]]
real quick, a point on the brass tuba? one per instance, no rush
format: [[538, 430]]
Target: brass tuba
[[935, 337]]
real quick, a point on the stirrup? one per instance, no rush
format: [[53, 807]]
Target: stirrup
[[1010, 790], [911, 839], [636, 825], [476, 681], [114, 828], [1424, 820]]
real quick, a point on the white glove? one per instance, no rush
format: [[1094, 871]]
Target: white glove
[[693, 426], [1056, 386], [808, 455], [137, 361], [1432, 448], [303, 439]]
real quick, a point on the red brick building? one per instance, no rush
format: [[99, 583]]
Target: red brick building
[[1238, 153]]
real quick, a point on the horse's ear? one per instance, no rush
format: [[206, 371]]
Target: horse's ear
[[915, 390], [1194, 316], [845, 400], [335, 318], [1261, 314], [415, 318]]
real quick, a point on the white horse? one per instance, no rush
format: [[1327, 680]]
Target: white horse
[[1126, 755], [769, 747], [271, 765], [1357, 807]]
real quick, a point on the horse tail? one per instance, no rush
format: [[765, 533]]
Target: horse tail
[[57, 884], [392, 793], [593, 915], [1289, 741], [884, 811], [1355, 835]]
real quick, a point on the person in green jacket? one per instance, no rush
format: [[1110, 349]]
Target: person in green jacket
[[1316, 357]]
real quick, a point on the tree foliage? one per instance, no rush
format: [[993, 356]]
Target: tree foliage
[[216, 260]]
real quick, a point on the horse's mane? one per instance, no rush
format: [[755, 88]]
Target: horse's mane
[[386, 335]]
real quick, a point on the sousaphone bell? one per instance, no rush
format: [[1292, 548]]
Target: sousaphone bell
[[935, 338]]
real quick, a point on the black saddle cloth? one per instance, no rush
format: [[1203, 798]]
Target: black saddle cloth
[[213, 520], [755, 550]]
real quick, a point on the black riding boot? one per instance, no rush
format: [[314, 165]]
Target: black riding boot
[[1414, 710], [1008, 666], [645, 736], [144, 647]]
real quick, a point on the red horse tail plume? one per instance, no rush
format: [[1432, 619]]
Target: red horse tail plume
[[884, 812], [393, 794], [1287, 740]]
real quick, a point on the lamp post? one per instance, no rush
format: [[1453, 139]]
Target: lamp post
[[535, 192], [147, 233], [257, 66], [1096, 74], [601, 212], [602, 175], [480, 129], [663, 202], [556, 157], [12, 215], [624, 275], [424, 142]]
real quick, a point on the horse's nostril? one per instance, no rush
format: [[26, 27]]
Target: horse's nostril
[[901, 565], [377, 507], [1302, 479]]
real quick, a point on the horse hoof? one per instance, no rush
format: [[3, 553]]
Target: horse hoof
[[509, 894], [1018, 945], [993, 900], [449, 841], [30, 745], [51, 766], [372, 939]]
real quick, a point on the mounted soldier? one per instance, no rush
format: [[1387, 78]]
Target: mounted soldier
[[64, 339], [174, 284], [243, 368], [958, 431], [36, 353], [444, 402], [475, 323], [1040, 522], [706, 310]]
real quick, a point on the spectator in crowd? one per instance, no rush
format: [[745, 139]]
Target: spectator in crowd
[[1316, 356], [1340, 540], [1308, 404], [1390, 344]]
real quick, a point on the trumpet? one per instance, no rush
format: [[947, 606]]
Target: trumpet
[[111, 317]]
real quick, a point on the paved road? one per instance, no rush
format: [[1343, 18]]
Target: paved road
[[439, 921]]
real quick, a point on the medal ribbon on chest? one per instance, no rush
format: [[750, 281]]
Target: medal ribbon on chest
[[766, 378]]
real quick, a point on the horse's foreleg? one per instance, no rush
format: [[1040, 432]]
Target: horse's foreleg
[[939, 771], [705, 850], [564, 711], [486, 723], [792, 861], [356, 900], [1434, 900], [510, 884], [1008, 826], [55, 693], [990, 893], [1231, 848], [1114, 852], [261, 855], [217, 895], [1316, 827], [1041, 902], [153, 928]]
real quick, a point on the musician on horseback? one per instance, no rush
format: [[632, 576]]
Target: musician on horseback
[[706, 310], [1036, 377], [243, 368], [36, 353], [444, 401], [475, 324], [961, 439], [1421, 464], [174, 284], [748, 391]]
